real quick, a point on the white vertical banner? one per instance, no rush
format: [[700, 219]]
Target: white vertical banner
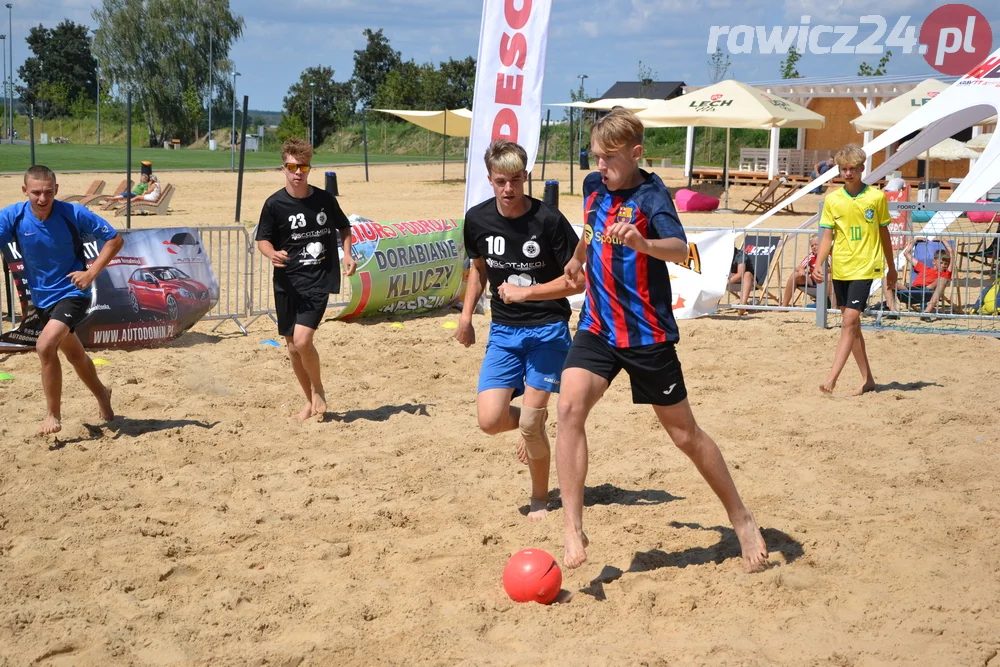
[[509, 72]]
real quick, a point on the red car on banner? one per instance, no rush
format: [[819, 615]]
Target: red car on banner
[[166, 289]]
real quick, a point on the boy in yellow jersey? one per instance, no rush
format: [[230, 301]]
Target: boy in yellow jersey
[[856, 216]]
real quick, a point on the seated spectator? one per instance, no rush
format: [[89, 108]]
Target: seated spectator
[[928, 282], [153, 191], [819, 169], [140, 190], [741, 273], [803, 276]]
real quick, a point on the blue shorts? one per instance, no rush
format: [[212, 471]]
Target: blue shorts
[[519, 356]]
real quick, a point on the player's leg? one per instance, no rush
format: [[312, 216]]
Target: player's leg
[[590, 368], [657, 380], [501, 377], [850, 327], [285, 310], [84, 367], [302, 339], [679, 422], [860, 290], [47, 347], [546, 355]]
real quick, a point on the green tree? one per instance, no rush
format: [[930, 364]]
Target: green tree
[[788, 67], [193, 109], [866, 70], [372, 65], [402, 88], [159, 49], [291, 126], [335, 102], [62, 62], [460, 81]]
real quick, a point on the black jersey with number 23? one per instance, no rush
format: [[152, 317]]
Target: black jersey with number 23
[[303, 228], [524, 251]]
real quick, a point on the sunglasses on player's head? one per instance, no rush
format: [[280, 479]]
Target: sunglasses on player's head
[[304, 168]]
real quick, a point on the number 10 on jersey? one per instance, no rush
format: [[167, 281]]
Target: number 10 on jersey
[[496, 245]]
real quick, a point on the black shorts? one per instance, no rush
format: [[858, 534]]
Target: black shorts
[[852, 294], [654, 370], [71, 311], [293, 308]]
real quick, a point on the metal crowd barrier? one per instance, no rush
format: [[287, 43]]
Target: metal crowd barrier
[[228, 250]]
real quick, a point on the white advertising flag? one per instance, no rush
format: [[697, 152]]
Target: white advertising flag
[[508, 98]]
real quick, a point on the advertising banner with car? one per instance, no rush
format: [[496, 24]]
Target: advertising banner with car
[[405, 267], [159, 285]]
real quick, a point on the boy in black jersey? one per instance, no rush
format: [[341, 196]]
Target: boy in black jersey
[[521, 245], [296, 234]]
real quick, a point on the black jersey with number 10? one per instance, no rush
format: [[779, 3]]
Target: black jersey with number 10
[[524, 251], [303, 228]]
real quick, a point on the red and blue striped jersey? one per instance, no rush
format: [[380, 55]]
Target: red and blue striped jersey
[[628, 300]]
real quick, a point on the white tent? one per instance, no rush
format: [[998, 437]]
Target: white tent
[[449, 122], [730, 104], [896, 109], [967, 102], [630, 103]]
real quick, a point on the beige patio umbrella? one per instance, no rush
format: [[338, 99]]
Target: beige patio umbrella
[[892, 111], [730, 104], [980, 142], [449, 122], [947, 150]]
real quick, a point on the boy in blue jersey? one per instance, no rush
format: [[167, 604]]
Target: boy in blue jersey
[[48, 233], [627, 323]]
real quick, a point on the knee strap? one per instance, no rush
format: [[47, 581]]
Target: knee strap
[[532, 426]]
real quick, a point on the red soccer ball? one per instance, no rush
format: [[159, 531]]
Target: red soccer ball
[[532, 575]]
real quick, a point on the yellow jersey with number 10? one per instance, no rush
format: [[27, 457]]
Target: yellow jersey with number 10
[[855, 221]]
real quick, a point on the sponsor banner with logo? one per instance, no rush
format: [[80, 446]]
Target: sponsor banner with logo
[[405, 267], [159, 285], [699, 283], [507, 102]]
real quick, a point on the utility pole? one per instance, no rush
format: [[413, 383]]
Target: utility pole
[[98, 105], [232, 137], [211, 66], [579, 142], [312, 113], [3, 47], [10, 45]]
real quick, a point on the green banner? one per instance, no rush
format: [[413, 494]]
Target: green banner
[[405, 267]]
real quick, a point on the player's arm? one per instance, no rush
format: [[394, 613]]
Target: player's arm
[[265, 239], [94, 224], [350, 266], [670, 243], [554, 289], [890, 261], [825, 243], [466, 334]]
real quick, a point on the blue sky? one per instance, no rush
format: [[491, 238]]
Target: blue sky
[[604, 39]]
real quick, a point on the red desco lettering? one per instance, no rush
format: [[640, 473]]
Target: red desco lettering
[[510, 87]]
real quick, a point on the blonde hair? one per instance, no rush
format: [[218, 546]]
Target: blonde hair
[[297, 148], [505, 157], [850, 155], [619, 129]]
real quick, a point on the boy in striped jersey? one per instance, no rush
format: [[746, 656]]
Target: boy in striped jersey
[[631, 230]]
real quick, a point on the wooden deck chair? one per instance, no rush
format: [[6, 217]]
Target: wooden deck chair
[[96, 188], [158, 207], [103, 198], [776, 191]]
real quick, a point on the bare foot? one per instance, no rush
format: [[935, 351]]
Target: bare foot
[[538, 509], [864, 389], [575, 548], [522, 451], [104, 406], [306, 412], [827, 387], [50, 425], [319, 405], [751, 543]]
